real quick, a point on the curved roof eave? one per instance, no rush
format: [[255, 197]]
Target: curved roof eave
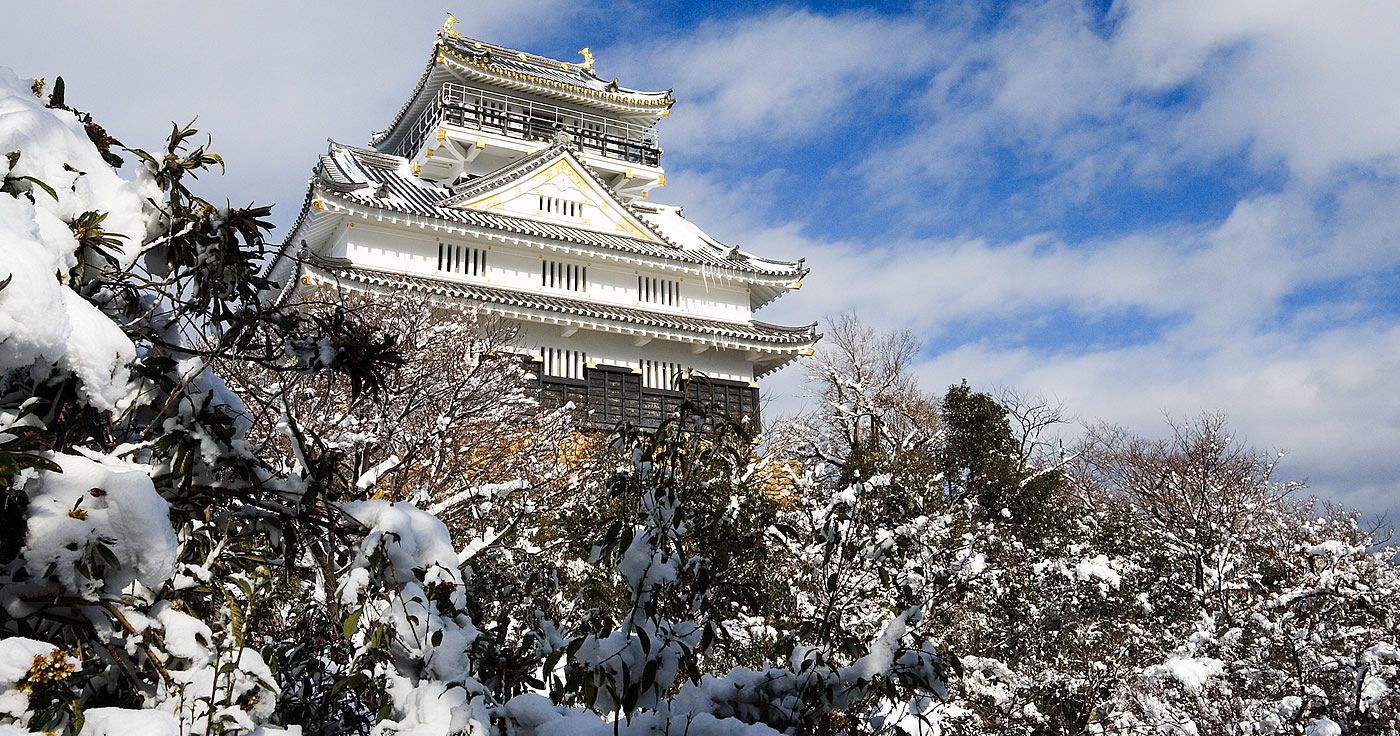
[[379, 137], [581, 244], [755, 336], [578, 78]]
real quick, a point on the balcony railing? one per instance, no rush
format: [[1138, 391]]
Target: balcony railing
[[517, 117]]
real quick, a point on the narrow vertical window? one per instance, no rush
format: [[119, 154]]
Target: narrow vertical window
[[567, 276], [663, 292], [461, 259], [563, 363]]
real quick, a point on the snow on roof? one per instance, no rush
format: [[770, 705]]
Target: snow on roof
[[685, 233], [672, 223]]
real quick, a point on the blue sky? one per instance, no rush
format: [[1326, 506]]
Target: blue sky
[[1138, 209]]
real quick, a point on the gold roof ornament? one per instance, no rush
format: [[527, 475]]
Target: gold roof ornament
[[447, 26], [587, 64]]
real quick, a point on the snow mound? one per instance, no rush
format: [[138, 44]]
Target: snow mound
[[1192, 673], [39, 314], [98, 509], [127, 722]]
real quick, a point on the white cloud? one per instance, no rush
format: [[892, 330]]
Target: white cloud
[[1315, 85], [1314, 88], [1314, 380], [762, 80]]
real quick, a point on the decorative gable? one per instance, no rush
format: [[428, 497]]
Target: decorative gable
[[558, 189]]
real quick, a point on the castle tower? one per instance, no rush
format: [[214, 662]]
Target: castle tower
[[521, 185]]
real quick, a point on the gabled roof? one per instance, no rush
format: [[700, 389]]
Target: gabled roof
[[357, 178], [543, 166]]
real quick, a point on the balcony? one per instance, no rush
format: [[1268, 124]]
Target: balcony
[[516, 117]]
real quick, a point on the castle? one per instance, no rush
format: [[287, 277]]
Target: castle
[[521, 185]]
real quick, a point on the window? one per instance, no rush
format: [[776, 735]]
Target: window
[[659, 374], [568, 276], [664, 292], [560, 206], [563, 363], [461, 259]]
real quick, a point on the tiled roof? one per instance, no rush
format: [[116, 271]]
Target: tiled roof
[[551, 72], [548, 75], [756, 335], [392, 188]]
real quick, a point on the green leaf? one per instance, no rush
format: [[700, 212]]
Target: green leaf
[[351, 624], [552, 660], [109, 557], [352, 682], [649, 674]]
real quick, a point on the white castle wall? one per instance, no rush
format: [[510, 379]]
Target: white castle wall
[[620, 350], [409, 252], [406, 251]]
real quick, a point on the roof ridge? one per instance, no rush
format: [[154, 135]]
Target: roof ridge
[[477, 49], [377, 159]]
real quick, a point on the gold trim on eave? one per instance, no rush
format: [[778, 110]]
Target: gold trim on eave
[[447, 26], [638, 101]]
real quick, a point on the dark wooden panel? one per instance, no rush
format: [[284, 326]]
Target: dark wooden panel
[[611, 394]]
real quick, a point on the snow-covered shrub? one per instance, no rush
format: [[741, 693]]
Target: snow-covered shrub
[[139, 536]]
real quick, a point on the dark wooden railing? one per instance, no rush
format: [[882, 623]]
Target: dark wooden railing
[[518, 117]]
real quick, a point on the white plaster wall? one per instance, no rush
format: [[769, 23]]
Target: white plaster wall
[[621, 350], [409, 251]]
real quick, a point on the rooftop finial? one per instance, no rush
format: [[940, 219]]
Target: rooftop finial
[[447, 27], [587, 64]]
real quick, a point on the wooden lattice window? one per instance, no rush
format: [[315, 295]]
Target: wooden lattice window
[[659, 373], [564, 363], [461, 259], [560, 207], [559, 275], [664, 292]]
